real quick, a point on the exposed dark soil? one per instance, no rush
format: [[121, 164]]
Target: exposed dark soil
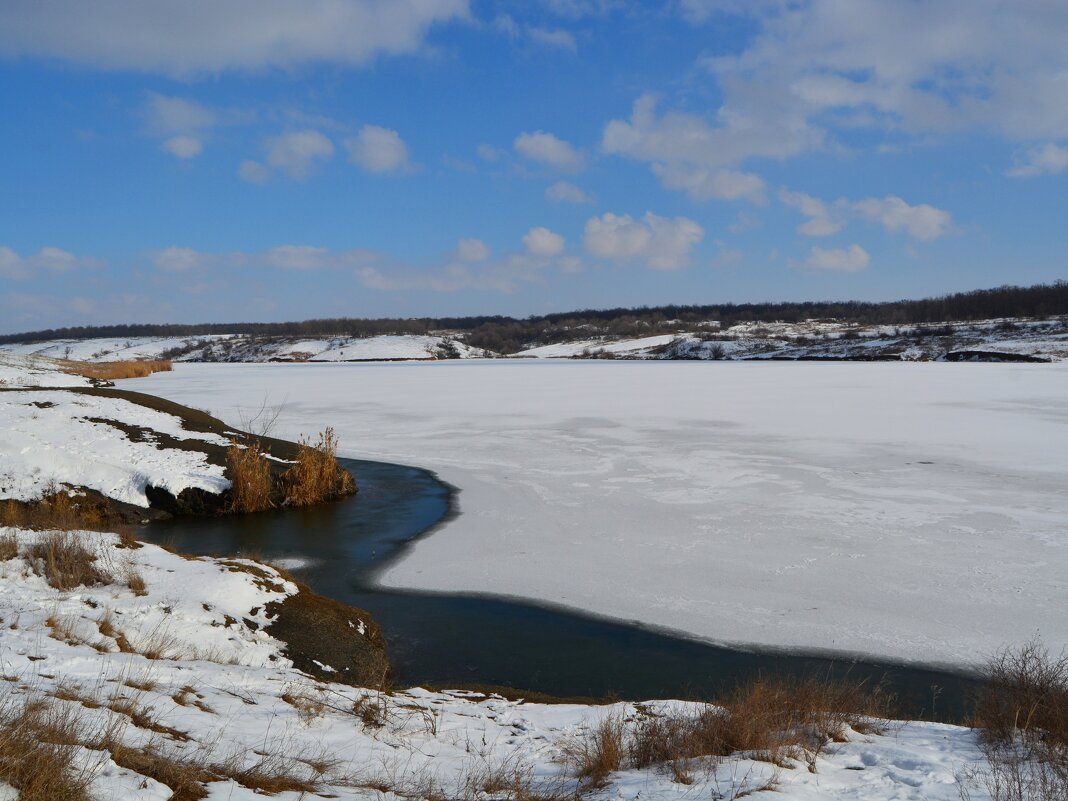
[[330, 640]]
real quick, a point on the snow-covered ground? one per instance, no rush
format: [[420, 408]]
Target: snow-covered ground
[[53, 437], [176, 671], [587, 347], [908, 511]]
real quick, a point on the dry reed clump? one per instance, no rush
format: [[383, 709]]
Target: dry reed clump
[[65, 563], [317, 476], [113, 371], [771, 720], [250, 478], [56, 509], [38, 747]]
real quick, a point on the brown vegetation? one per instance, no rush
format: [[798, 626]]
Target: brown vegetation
[[1023, 711], [65, 563], [113, 371], [38, 744], [770, 719], [57, 509], [317, 477], [250, 476]]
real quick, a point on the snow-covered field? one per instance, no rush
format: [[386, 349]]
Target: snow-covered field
[[53, 437], [907, 511]]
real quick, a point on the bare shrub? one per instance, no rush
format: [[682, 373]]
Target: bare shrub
[[1025, 696], [250, 477], [316, 476], [1023, 711], [65, 563]]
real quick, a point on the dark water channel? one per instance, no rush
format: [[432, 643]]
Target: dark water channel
[[455, 640]]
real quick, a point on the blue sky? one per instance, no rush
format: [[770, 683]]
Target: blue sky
[[287, 159]]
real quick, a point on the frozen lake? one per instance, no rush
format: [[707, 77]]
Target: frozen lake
[[904, 511]]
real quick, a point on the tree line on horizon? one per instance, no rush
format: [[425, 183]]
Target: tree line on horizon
[[503, 334]]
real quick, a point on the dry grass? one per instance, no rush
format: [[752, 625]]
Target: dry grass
[[113, 371], [38, 744], [135, 581], [64, 562], [9, 547], [250, 476], [57, 510], [770, 719], [317, 476], [185, 776]]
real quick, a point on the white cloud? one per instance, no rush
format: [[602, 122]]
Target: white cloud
[[378, 149], [822, 220], [556, 37], [577, 9], [920, 67], [1049, 159], [166, 115], [816, 69], [541, 241], [921, 222], [176, 259], [11, 265], [702, 183], [674, 138], [297, 257], [197, 36], [548, 149], [183, 147], [847, 260], [472, 250], [661, 243], [295, 154], [566, 192], [49, 258], [253, 172], [181, 123], [489, 153]]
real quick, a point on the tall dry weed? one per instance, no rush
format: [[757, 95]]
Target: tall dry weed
[[250, 478], [317, 476]]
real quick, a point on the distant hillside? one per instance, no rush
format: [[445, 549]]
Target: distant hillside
[[507, 335]]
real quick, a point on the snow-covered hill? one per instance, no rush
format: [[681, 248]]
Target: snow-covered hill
[[244, 348], [1007, 339]]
